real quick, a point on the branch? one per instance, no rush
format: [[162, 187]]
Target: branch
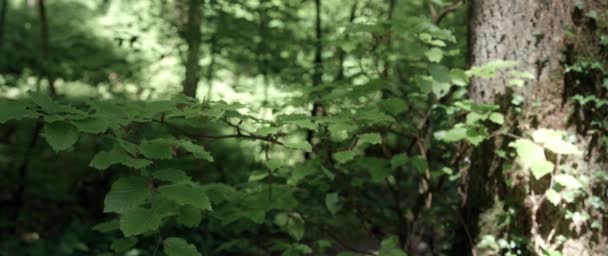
[[438, 16]]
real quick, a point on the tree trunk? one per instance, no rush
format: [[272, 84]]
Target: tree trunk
[[193, 37], [533, 34], [317, 76], [3, 11], [44, 47]]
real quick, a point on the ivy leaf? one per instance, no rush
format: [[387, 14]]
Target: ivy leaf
[[126, 194], [344, 156], [371, 138], [186, 194], [174, 246], [60, 135], [299, 145], [139, 221]]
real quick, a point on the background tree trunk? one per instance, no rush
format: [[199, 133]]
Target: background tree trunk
[[193, 37], [533, 34]]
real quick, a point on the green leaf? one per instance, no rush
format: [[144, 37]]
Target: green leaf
[[171, 175], [292, 223], [393, 106], [257, 175], [390, 247], [434, 54], [541, 168], [91, 125], [105, 159], [196, 150], [139, 221], [189, 216], [186, 194], [273, 164], [497, 118], [156, 150], [344, 156], [123, 244], [108, 226], [137, 163], [568, 181], [553, 140], [332, 203], [126, 194], [60, 135], [398, 160], [371, 138], [553, 196], [174, 246], [15, 110], [299, 145]]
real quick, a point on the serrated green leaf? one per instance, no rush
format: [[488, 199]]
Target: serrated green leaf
[[138, 221], [60, 135], [91, 125], [105, 159], [189, 216], [257, 175], [171, 175], [174, 246], [497, 118], [136, 163], [393, 106], [108, 226], [126, 194], [123, 244], [371, 138], [186, 194], [15, 110], [434, 54], [344, 156], [398, 160], [292, 223], [156, 150]]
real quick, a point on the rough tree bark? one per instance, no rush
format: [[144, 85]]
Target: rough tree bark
[[533, 34], [193, 38]]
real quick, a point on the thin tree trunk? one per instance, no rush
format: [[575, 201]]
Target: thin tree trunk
[[44, 46], [533, 34], [341, 52], [317, 76], [193, 38], [3, 11]]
